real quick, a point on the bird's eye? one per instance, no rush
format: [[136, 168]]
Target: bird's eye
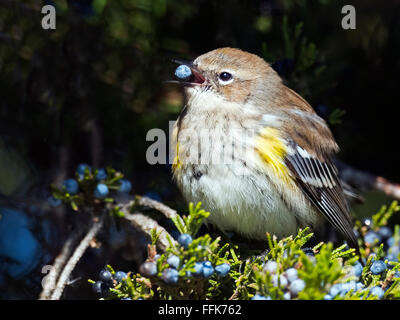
[[225, 76]]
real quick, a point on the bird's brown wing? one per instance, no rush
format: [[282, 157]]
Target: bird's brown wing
[[318, 179], [309, 160]]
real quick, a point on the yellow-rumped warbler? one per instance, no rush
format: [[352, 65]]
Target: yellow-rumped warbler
[[253, 151]]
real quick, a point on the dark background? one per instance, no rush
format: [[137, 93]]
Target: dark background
[[89, 91]]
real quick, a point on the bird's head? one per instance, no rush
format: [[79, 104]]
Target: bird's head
[[231, 74]]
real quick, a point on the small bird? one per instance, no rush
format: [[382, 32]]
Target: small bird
[[253, 151]]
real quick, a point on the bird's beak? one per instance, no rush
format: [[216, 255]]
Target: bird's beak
[[195, 79]]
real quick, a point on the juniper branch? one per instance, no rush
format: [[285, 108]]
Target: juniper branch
[[147, 225], [147, 202], [367, 181], [76, 256], [59, 263]]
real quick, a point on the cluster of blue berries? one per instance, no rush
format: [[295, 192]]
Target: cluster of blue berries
[[341, 289], [101, 189], [382, 235], [106, 281], [353, 281], [378, 267], [170, 275], [288, 280]]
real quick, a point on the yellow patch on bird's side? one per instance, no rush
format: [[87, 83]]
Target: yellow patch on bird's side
[[273, 151], [176, 164]]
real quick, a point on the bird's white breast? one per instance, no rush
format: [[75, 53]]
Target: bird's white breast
[[239, 195]]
